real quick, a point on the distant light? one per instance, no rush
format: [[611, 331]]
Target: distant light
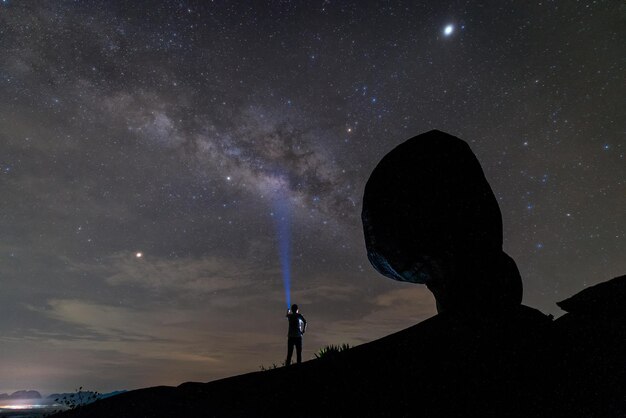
[[447, 31], [228, 178], [139, 255]]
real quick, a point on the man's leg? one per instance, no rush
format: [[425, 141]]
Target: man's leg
[[298, 342], [289, 351]]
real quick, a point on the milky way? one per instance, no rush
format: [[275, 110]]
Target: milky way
[[143, 146]]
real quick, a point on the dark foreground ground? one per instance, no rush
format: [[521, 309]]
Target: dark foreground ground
[[517, 363]]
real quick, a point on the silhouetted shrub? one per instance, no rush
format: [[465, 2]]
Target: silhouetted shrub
[[272, 367], [78, 399], [331, 350]]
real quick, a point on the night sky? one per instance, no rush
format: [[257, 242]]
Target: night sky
[[189, 132]]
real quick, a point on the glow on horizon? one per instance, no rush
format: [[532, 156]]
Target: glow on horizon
[[25, 406]]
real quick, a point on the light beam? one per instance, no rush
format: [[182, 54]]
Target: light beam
[[283, 226]]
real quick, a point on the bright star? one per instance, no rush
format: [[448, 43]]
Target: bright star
[[447, 31], [139, 255]]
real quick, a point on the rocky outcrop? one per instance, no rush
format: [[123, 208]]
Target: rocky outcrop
[[591, 340], [604, 299], [429, 216]]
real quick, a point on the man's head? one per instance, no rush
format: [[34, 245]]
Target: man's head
[[294, 308], [429, 216]]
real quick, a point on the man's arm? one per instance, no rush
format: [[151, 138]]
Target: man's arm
[[304, 324]]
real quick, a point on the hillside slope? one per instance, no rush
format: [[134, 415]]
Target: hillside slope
[[515, 363]]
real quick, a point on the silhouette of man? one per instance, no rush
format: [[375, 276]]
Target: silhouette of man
[[297, 328]]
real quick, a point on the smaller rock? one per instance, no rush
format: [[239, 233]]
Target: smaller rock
[[606, 298]]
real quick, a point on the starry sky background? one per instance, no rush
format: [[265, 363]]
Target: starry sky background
[[167, 127]]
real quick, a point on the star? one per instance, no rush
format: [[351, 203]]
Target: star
[[448, 30], [139, 254]]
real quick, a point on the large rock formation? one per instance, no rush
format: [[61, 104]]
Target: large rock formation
[[429, 216]]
